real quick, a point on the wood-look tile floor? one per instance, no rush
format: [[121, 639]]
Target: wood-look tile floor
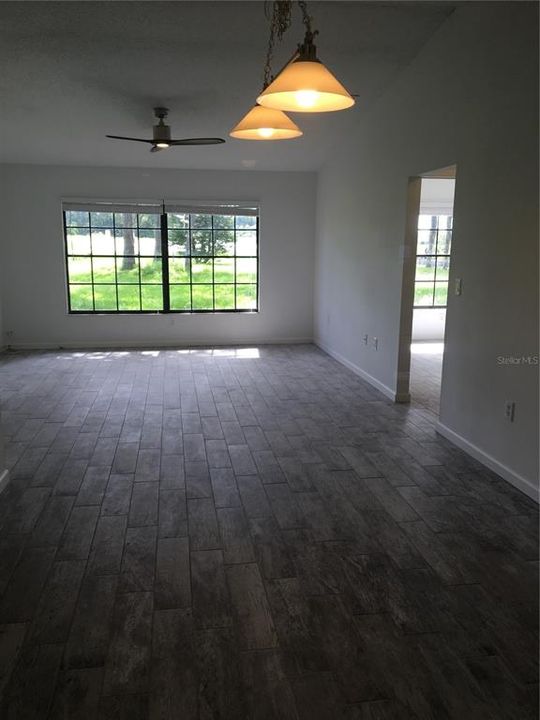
[[426, 375], [251, 534]]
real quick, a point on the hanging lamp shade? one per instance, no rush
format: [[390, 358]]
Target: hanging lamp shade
[[306, 86], [263, 123]]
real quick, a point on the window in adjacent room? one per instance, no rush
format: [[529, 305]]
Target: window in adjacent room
[[152, 258], [432, 260]]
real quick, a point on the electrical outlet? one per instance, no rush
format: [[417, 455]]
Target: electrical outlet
[[509, 410], [375, 343], [366, 338]]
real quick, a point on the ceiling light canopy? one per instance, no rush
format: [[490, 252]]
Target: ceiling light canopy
[[263, 123]]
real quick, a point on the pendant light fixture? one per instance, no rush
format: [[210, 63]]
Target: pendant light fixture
[[264, 123], [305, 84]]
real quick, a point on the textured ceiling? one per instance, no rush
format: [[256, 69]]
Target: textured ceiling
[[74, 71]]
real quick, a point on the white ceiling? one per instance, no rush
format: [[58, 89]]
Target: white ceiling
[[74, 71]]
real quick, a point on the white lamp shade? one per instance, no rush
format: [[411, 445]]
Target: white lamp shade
[[306, 86], [265, 124]]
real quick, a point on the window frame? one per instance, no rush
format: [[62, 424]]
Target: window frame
[[163, 228], [435, 256]]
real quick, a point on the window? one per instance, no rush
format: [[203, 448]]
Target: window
[[126, 259], [432, 261]]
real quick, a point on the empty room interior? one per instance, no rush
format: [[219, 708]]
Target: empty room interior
[[269, 360]]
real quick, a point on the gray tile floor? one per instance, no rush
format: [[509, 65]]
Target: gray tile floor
[[251, 534], [426, 374]]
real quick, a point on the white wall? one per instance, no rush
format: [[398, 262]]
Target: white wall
[[3, 188], [3, 471], [33, 266], [2, 339], [428, 325], [470, 97]]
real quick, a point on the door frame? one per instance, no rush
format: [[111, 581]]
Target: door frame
[[414, 188], [407, 290]]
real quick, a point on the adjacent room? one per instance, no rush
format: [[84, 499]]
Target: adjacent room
[[269, 360], [432, 269]]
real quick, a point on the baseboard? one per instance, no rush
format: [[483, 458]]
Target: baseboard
[[4, 479], [381, 387], [403, 397], [519, 482], [158, 344]]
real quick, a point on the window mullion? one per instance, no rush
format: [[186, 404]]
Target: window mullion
[[67, 255], [165, 263], [257, 260], [92, 262], [138, 241], [235, 266], [213, 261], [115, 262], [190, 248]]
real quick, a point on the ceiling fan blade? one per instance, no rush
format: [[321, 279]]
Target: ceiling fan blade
[[197, 141], [121, 137]]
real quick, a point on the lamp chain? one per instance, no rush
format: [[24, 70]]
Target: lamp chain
[[280, 22], [306, 18]]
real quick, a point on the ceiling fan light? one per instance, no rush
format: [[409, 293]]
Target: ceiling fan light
[[306, 86], [265, 124], [162, 145]]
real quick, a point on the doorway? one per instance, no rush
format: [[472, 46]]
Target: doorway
[[428, 250]]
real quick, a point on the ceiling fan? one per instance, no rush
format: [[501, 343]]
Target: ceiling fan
[[162, 135]]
